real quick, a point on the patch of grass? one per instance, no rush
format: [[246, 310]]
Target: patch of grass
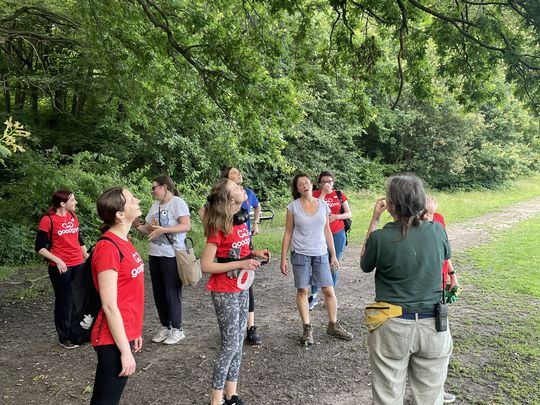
[[502, 341], [511, 264], [463, 205]]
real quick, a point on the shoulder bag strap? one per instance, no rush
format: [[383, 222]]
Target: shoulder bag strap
[[340, 197], [159, 222], [114, 243], [51, 230]]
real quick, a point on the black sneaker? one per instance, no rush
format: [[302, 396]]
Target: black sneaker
[[235, 399], [68, 345], [252, 337]]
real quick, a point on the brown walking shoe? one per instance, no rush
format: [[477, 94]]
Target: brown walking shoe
[[307, 337], [337, 330]]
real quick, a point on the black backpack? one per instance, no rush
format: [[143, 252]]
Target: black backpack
[[86, 300], [348, 221]]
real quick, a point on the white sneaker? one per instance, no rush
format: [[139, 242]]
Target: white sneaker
[[448, 398], [174, 337], [162, 334]]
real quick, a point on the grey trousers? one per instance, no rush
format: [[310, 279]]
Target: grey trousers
[[402, 347], [231, 312]]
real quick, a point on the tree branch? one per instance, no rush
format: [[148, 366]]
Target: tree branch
[[402, 29]]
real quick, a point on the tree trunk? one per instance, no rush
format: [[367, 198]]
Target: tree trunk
[[74, 104], [20, 96], [59, 100], [82, 103], [7, 98], [35, 110]]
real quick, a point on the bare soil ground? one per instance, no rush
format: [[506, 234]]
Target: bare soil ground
[[34, 369]]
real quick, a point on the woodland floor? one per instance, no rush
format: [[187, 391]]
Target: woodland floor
[[34, 369]]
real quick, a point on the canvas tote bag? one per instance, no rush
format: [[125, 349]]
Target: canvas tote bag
[[189, 267]]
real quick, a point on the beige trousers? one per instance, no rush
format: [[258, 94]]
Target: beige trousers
[[400, 347]]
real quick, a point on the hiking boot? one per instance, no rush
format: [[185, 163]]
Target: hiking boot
[[307, 337], [312, 301], [448, 398], [235, 400], [175, 336], [337, 330], [161, 335], [66, 344], [252, 337]]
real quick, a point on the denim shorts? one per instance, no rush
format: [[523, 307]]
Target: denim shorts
[[311, 270]]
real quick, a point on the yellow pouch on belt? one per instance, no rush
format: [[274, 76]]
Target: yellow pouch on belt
[[378, 312]]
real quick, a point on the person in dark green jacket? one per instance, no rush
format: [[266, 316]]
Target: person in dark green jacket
[[407, 255]]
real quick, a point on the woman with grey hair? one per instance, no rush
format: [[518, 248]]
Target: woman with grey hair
[[407, 255]]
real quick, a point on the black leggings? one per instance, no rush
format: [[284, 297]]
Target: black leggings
[[108, 387], [251, 306]]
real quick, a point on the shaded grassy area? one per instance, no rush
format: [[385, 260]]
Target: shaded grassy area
[[497, 345]]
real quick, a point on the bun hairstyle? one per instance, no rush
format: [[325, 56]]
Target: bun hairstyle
[[59, 197], [294, 190], [218, 215], [167, 182], [108, 204], [406, 199]]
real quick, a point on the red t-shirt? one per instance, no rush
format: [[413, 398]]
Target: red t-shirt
[[332, 200], [232, 246], [65, 237], [130, 290], [439, 218]]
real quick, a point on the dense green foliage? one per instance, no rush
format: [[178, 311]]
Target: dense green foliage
[[117, 92]]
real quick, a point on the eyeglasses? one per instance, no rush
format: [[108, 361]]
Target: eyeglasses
[[326, 181], [154, 187]]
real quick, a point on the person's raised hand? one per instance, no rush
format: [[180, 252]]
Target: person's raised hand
[[379, 208]]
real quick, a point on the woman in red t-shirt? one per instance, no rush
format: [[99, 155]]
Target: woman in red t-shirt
[[230, 278], [118, 272], [448, 273], [59, 241], [327, 193]]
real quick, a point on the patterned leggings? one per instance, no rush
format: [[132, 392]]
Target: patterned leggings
[[231, 311]]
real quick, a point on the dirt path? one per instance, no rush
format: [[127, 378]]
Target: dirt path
[[36, 370]]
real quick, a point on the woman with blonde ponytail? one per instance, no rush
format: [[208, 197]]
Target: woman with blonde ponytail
[[407, 256]]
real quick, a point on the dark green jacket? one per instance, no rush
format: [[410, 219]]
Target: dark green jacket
[[408, 271]]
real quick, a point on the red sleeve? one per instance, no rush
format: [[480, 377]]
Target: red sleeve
[[105, 257], [439, 218], [216, 238], [45, 224], [344, 197]]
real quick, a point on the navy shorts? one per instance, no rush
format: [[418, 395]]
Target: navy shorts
[[311, 271]]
